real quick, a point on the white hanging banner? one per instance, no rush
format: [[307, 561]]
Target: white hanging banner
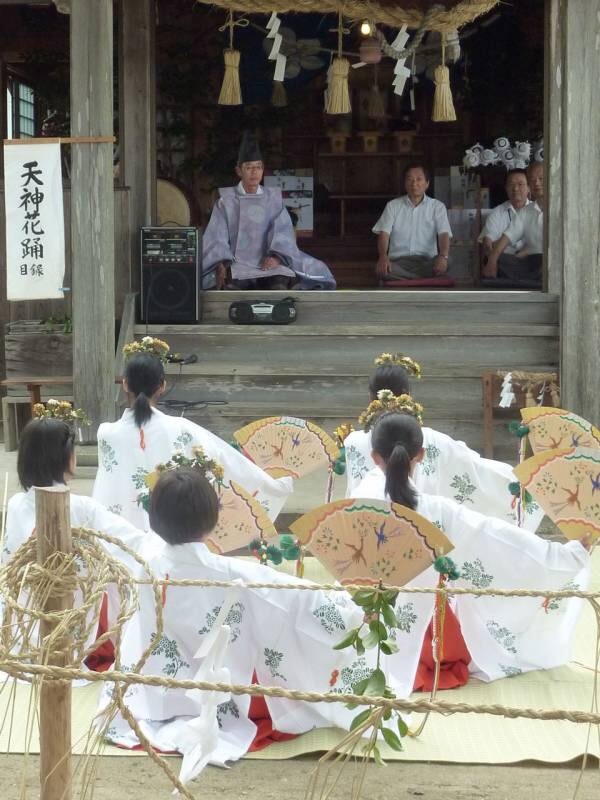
[[35, 229]]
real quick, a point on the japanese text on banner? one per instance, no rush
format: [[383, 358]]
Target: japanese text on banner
[[35, 232]]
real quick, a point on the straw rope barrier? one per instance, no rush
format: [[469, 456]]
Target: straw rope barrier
[[352, 587], [67, 674], [440, 19], [90, 570]]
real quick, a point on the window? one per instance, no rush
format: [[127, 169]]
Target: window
[[20, 108]]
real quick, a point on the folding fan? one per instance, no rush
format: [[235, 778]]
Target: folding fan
[[368, 541], [555, 428], [241, 519], [566, 484], [287, 446]]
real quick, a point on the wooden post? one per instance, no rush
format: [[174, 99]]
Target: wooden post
[[137, 121], [92, 211], [556, 12], [53, 534], [573, 173]]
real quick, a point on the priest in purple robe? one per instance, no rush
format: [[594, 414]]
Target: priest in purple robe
[[249, 242]]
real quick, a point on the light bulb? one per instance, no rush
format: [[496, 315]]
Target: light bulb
[[365, 28]]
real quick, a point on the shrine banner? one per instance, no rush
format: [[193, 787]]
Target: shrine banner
[[35, 230]]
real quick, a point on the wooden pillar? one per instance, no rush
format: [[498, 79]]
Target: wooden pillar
[[137, 120], [92, 211], [572, 155], [553, 116], [53, 534]]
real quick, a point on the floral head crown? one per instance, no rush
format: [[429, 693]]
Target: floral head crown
[[388, 401], [149, 345], [61, 409], [199, 461], [398, 360]]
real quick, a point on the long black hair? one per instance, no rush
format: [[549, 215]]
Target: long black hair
[[398, 438], [144, 375], [389, 376], [45, 451]]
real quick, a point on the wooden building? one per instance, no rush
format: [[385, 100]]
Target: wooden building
[[317, 367]]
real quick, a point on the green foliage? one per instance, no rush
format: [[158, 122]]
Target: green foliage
[[339, 465], [515, 427], [375, 632], [65, 323], [287, 549], [515, 489], [445, 566]]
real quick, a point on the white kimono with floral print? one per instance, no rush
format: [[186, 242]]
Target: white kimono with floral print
[[126, 454], [285, 635], [449, 469], [85, 513], [505, 635]]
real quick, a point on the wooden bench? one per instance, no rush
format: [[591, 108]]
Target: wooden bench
[[492, 387], [17, 410]]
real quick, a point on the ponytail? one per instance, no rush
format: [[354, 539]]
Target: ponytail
[[142, 411], [398, 438], [145, 375], [397, 473]]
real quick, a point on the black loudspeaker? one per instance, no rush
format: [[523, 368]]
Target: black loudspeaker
[[170, 291]]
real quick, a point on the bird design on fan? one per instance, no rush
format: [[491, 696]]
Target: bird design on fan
[[368, 541], [287, 446], [554, 428], [565, 483], [241, 519]]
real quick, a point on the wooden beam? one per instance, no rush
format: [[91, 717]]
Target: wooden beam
[[137, 112], [573, 121], [53, 535], [92, 211], [555, 13]]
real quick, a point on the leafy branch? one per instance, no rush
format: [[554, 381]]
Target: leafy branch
[[376, 632]]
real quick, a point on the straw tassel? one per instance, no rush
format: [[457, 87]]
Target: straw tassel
[[231, 91], [279, 96], [338, 96], [376, 107], [443, 106]]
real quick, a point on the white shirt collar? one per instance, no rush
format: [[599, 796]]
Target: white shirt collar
[[516, 210], [410, 203], [241, 190]]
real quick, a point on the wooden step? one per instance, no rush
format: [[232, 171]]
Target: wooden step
[[443, 350], [384, 307], [318, 367]]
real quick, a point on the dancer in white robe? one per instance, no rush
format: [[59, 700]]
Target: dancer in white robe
[[449, 468], [286, 636], [505, 636], [46, 457], [131, 448]]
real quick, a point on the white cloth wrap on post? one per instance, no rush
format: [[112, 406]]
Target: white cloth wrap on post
[[35, 230]]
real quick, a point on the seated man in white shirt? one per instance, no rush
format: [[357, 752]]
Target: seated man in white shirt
[[528, 227], [499, 219], [413, 233]]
